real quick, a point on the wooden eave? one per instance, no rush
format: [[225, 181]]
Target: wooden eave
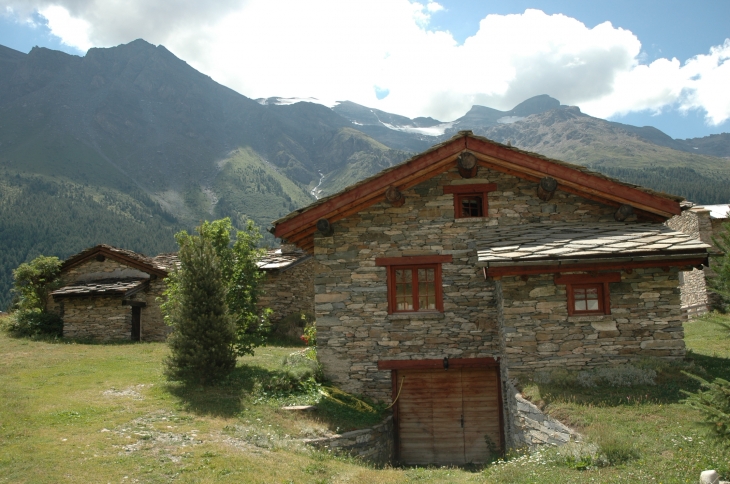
[[619, 264], [110, 254], [299, 227]]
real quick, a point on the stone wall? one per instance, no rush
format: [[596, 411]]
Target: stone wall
[[99, 318], [646, 320], [289, 291], [152, 324], [354, 327], [527, 426], [695, 222], [374, 445]]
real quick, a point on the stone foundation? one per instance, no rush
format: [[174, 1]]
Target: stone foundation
[[527, 426], [374, 445]]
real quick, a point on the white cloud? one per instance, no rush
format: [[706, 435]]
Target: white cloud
[[72, 31], [334, 50]]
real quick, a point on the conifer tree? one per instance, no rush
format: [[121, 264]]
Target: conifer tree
[[202, 343], [721, 282]]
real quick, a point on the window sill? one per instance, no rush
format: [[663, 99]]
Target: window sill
[[466, 220], [415, 315], [588, 318]]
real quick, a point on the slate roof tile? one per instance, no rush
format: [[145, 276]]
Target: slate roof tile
[[563, 241]]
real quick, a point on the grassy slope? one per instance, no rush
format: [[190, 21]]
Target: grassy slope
[[98, 413], [268, 194], [370, 157]]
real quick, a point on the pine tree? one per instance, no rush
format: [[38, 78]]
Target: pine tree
[[721, 282], [202, 343]]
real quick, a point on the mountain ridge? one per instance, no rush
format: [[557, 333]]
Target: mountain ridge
[[136, 139]]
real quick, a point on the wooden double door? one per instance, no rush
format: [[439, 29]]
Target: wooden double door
[[444, 417]]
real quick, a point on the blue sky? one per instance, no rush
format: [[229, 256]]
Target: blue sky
[[408, 58]]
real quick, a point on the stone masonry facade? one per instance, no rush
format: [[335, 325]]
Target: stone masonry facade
[[355, 330], [697, 223], [537, 332], [289, 291]]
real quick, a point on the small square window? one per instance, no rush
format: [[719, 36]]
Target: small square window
[[588, 294], [470, 200], [471, 205]]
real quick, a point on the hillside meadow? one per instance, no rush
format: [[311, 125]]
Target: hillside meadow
[[75, 412]]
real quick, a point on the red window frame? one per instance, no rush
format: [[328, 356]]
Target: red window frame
[[393, 264], [475, 190], [574, 283]]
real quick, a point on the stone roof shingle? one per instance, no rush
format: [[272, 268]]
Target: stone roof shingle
[[531, 243]]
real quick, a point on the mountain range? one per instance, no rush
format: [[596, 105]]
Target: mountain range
[[129, 144]]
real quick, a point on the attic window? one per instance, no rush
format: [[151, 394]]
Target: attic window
[[470, 200], [588, 294]]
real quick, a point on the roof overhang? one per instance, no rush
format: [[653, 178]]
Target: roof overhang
[[683, 261], [299, 226]]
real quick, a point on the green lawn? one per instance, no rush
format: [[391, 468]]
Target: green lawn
[[104, 413]]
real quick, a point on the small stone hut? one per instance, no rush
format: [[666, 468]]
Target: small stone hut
[[441, 280], [109, 293]]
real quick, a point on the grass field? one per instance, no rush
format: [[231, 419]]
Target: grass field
[[104, 413]]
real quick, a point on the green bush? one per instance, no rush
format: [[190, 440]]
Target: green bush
[[35, 323], [714, 404]]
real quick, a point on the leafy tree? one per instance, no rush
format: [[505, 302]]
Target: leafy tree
[[34, 280], [202, 343], [32, 283], [239, 275]]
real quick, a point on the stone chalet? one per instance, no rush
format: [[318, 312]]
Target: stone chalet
[[441, 280], [112, 294]]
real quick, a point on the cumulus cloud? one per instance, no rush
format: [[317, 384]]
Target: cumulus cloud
[[335, 50]]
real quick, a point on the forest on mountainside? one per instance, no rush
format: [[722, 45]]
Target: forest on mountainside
[[42, 217], [685, 182]]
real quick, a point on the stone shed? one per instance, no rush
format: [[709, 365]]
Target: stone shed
[[441, 280], [289, 283], [109, 293]]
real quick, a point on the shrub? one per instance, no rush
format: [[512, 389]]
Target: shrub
[[714, 405], [33, 282], [35, 323], [617, 376]]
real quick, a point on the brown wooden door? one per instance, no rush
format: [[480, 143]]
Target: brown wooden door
[[443, 415]]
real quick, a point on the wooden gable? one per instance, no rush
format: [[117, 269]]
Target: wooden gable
[[299, 226]]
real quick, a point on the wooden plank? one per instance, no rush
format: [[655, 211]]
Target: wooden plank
[[602, 266], [372, 199], [570, 176], [454, 363], [413, 260]]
